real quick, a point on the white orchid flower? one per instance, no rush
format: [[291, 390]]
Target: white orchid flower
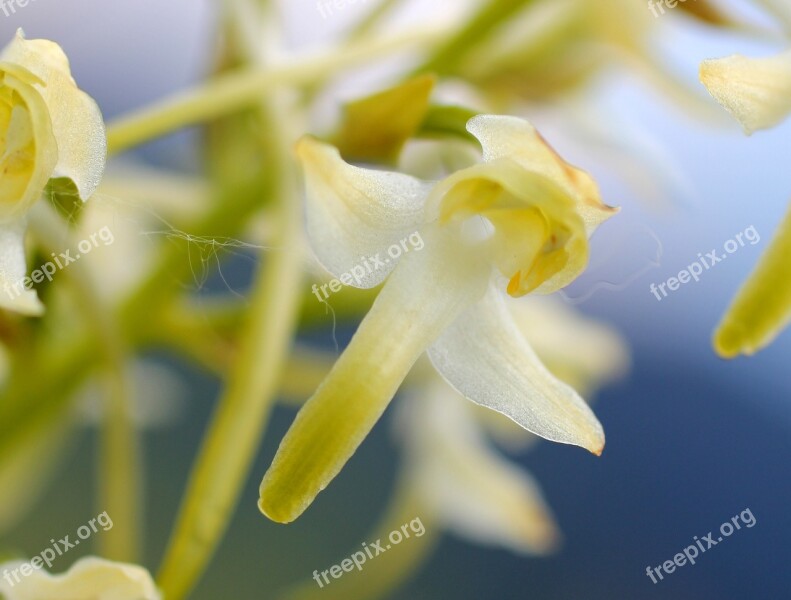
[[88, 579], [49, 129], [537, 211]]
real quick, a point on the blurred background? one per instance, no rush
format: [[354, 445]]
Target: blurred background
[[692, 440]]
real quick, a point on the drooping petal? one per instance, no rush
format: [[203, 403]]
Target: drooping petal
[[756, 91], [355, 214], [76, 119], [762, 307], [578, 350], [487, 360], [469, 488], [423, 296], [516, 139], [14, 295], [88, 579]]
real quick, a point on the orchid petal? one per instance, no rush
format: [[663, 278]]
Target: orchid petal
[[28, 150], [756, 91], [474, 491], [354, 214], [14, 295], [486, 359], [88, 579], [762, 307], [516, 139], [423, 296], [578, 350], [76, 119]]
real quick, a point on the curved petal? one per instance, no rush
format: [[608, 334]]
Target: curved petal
[[540, 242], [580, 351], [485, 358], [76, 119], [473, 490], [355, 214], [14, 295], [423, 296], [756, 91], [88, 579], [28, 150], [516, 139], [762, 307]]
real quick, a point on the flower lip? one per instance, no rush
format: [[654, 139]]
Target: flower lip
[[539, 240]]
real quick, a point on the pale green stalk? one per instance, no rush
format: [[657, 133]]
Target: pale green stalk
[[241, 416], [245, 88], [119, 460]]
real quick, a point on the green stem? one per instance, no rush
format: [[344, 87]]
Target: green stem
[[245, 88], [119, 466], [236, 428]]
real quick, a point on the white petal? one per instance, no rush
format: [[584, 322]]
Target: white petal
[[76, 119], [756, 91], [516, 139], [424, 295], [353, 214], [485, 357], [579, 350], [88, 579], [471, 489], [13, 294]]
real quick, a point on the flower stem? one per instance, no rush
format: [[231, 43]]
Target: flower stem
[[245, 88], [236, 428], [119, 464]]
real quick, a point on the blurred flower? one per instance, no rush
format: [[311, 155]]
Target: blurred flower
[[756, 91], [463, 484], [88, 579], [48, 129], [537, 213]]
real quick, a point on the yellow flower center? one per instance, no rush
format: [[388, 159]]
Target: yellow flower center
[[17, 146], [536, 230]]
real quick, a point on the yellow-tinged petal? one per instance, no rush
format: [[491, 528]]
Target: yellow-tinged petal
[[468, 487], [353, 214], [762, 307], [13, 293], [423, 296], [484, 356], [539, 242], [88, 579], [28, 151], [376, 128], [516, 139], [77, 122], [756, 91]]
